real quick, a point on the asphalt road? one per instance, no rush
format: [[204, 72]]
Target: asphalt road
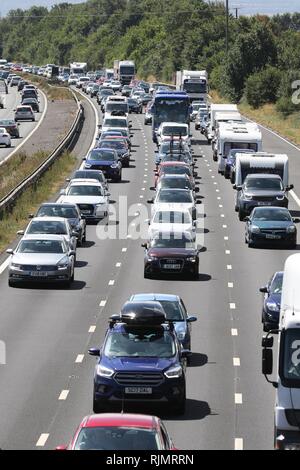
[[12, 100], [46, 386]]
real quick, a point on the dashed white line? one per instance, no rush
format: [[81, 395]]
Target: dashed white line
[[230, 285], [79, 358], [236, 362], [222, 215], [103, 302], [92, 329], [221, 206], [234, 332], [64, 395], [238, 444], [226, 238], [224, 226], [42, 440], [141, 196], [238, 398], [118, 265], [124, 250], [232, 306], [111, 282], [229, 267], [227, 252]]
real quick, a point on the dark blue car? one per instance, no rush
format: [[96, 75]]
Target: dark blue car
[[272, 301], [106, 160], [140, 361]]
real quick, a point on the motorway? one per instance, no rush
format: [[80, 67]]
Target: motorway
[[46, 385], [26, 128]]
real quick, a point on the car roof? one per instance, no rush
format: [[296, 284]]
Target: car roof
[[85, 182], [44, 237], [158, 297], [120, 419], [48, 219], [172, 163], [58, 204], [272, 208], [263, 175], [172, 176]]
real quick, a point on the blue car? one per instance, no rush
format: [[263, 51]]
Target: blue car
[[272, 301], [175, 311], [106, 160], [140, 361]]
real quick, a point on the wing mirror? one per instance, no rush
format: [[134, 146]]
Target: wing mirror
[[10, 251], [144, 245], [20, 232], [94, 352], [264, 290]]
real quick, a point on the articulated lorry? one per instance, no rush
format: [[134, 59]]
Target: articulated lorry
[[124, 71], [194, 82]]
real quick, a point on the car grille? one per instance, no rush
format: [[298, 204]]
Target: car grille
[[39, 267], [264, 198], [273, 231], [87, 208], [138, 379]]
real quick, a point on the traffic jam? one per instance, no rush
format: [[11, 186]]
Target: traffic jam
[[147, 347]]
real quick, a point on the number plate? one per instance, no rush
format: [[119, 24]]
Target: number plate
[[38, 274], [172, 266], [264, 203], [273, 237], [138, 390]]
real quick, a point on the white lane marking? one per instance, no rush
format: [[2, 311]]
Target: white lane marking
[[232, 306], [238, 444], [143, 189], [31, 132], [219, 198], [217, 190], [96, 119], [42, 440], [139, 204], [226, 238], [129, 236], [224, 226], [234, 332], [124, 250], [295, 197], [102, 303], [64, 395], [236, 362], [238, 398], [141, 196], [210, 171], [223, 215], [4, 265], [215, 183], [118, 265], [144, 181], [92, 329], [145, 175], [229, 267], [230, 285], [79, 358], [227, 252], [212, 176], [221, 206], [111, 282]]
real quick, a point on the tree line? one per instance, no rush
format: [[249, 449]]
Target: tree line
[[164, 36]]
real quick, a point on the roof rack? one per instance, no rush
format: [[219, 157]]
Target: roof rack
[[141, 314]]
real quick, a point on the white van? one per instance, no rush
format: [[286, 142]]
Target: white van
[[215, 108], [287, 403], [232, 135]]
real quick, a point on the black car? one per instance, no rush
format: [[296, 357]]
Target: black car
[[102, 93], [11, 126], [172, 254], [94, 90], [120, 146], [33, 102], [21, 84], [90, 174], [145, 99], [134, 106], [31, 93], [67, 211], [272, 302], [269, 225]]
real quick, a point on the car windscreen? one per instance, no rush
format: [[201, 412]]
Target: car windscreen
[[276, 286], [172, 217], [113, 106], [85, 190], [140, 342], [275, 215], [174, 130], [173, 310], [41, 246], [102, 155], [89, 174], [166, 241], [173, 183], [174, 196], [58, 210], [117, 438], [264, 184], [112, 144], [115, 123], [176, 170], [53, 227]]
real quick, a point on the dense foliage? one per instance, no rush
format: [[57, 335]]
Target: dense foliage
[[163, 37]]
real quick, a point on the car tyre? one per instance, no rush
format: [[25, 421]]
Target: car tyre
[[11, 283], [242, 215], [97, 408]]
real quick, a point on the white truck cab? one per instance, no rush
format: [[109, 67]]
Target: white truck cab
[[287, 403]]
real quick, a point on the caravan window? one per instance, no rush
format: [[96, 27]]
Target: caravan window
[[239, 145]]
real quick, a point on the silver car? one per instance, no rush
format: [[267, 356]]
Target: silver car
[[52, 226], [24, 113], [41, 258]]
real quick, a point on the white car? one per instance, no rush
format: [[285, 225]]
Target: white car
[[4, 137], [114, 122], [174, 200], [115, 85], [90, 197], [81, 81], [165, 221], [72, 80], [169, 130]]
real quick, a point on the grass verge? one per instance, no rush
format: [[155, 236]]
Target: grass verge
[[53, 92], [268, 117], [31, 199]]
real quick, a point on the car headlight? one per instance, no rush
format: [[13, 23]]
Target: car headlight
[[192, 259], [114, 165], [247, 197], [104, 371], [87, 165], [64, 263], [272, 306], [280, 198], [181, 335], [16, 266], [174, 372], [255, 229], [152, 258], [291, 229]]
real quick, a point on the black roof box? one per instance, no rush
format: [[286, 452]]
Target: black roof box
[[143, 313]]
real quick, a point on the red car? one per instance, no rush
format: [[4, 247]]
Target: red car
[[120, 431], [173, 168]]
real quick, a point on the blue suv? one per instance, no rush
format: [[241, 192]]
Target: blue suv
[[140, 361]]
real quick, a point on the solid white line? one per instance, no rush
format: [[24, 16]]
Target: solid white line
[[234, 332], [79, 358], [92, 329], [102, 303], [42, 440], [111, 282], [236, 362], [64, 395], [230, 285], [238, 444], [238, 398], [295, 197], [31, 132], [4, 265], [96, 119], [232, 306]]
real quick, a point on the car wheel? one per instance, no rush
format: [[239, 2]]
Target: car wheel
[[11, 283], [250, 244], [242, 215], [9, 145], [97, 408], [147, 275]]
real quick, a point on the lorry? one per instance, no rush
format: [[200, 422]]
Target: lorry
[[236, 135], [109, 73], [78, 68], [194, 82], [124, 71], [287, 365], [214, 109]]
